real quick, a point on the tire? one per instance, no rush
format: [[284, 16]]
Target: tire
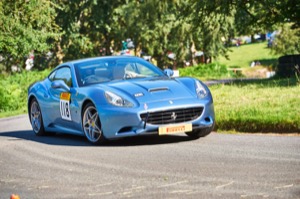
[[36, 118], [200, 132], [91, 125]]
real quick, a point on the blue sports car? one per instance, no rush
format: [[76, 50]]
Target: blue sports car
[[107, 98]]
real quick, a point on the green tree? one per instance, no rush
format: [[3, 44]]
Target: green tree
[[72, 19], [87, 28], [150, 25], [287, 41], [25, 26], [255, 16], [160, 27], [210, 23]]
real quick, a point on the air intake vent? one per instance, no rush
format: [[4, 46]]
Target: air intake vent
[[158, 89], [172, 116]]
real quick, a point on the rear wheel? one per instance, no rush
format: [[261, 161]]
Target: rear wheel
[[36, 118], [91, 125], [200, 132]]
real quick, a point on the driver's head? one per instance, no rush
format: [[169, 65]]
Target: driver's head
[[89, 71]]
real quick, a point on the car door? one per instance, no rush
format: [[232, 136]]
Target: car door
[[60, 99]]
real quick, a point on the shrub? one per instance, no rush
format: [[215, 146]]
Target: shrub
[[13, 92], [208, 71]]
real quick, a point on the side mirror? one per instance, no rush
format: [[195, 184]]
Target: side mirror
[[169, 72], [60, 84]]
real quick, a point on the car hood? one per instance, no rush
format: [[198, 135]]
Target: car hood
[[154, 89]]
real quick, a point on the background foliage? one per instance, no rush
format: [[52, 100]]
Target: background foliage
[[25, 27], [288, 40], [76, 29], [13, 92]]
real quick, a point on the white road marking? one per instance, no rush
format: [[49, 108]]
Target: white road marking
[[224, 185], [181, 191], [43, 187], [100, 194], [101, 185], [264, 195], [127, 193], [253, 195], [173, 184], [285, 186], [136, 188]]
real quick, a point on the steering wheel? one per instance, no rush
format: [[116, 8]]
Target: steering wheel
[[128, 76], [91, 79]]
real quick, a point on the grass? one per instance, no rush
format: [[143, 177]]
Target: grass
[[208, 71], [258, 106], [242, 56], [20, 111]]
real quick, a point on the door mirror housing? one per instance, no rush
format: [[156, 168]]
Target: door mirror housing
[[60, 84], [169, 72]]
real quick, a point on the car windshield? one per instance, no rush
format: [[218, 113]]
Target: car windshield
[[110, 69]]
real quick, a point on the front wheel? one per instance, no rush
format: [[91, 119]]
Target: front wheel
[[195, 134], [36, 118], [91, 125]]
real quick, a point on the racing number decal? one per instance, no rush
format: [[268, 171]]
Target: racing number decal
[[65, 106]]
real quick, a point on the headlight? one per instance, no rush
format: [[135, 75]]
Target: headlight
[[200, 90], [116, 100]]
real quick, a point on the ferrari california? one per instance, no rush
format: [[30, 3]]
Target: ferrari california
[[106, 98]]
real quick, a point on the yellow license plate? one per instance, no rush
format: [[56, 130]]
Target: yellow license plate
[[175, 129]]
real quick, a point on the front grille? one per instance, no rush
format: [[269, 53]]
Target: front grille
[[172, 116]]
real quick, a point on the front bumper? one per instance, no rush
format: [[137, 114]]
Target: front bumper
[[127, 122]]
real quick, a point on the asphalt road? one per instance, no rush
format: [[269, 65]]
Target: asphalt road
[[217, 166]]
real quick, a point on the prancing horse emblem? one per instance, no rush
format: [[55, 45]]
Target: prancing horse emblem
[[173, 116]]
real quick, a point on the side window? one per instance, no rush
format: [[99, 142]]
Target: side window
[[64, 74], [51, 76]]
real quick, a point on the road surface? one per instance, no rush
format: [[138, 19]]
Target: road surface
[[216, 166]]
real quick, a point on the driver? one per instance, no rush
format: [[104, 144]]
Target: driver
[[118, 72], [87, 73]]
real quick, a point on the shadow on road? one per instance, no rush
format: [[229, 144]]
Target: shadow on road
[[76, 140]]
